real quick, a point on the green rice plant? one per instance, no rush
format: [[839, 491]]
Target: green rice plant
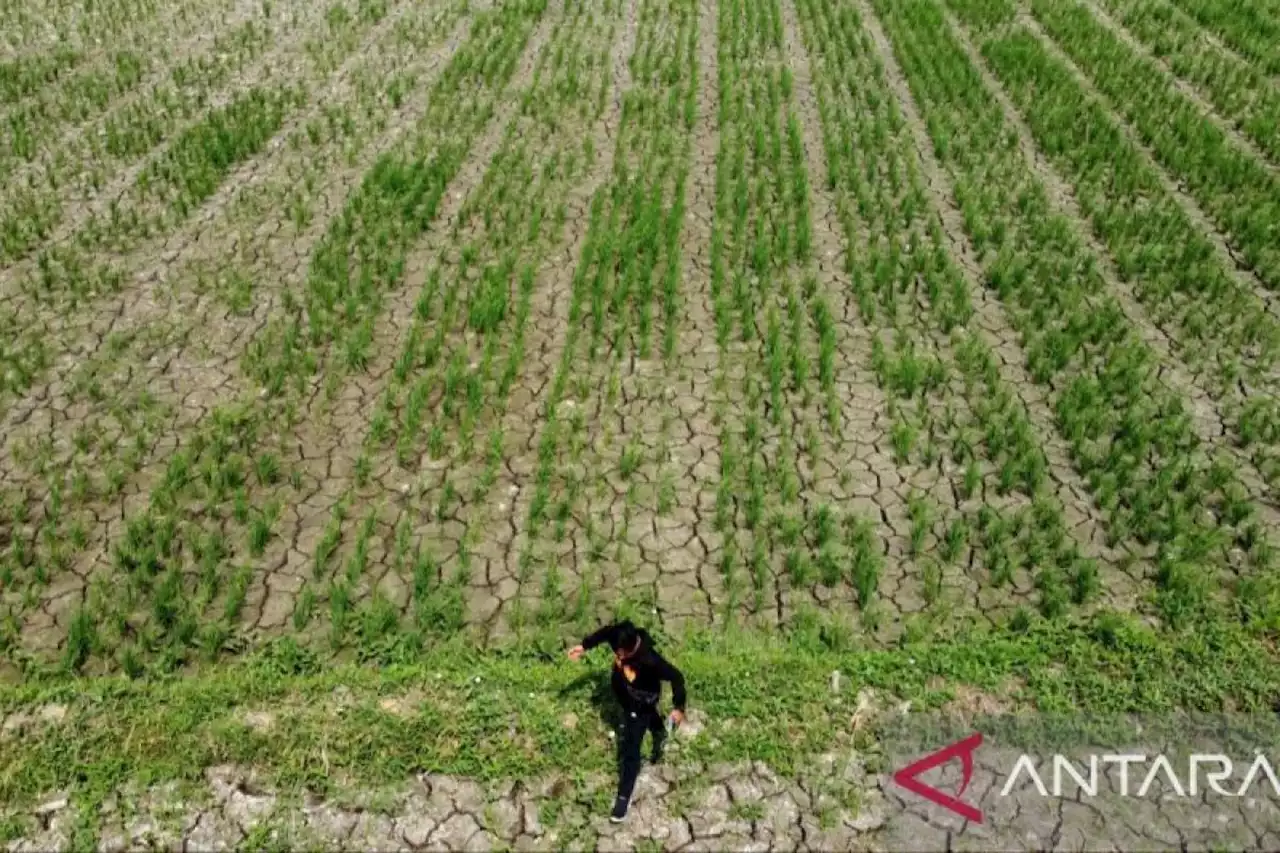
[[131, 661], [359, 561], [972, 479], [425, 574], [866, 560], [798, 567], [379, 621], [82, 639], [1055, 593], [328, 544], [919, 513], [1085, 581], [824, 526], [237, 589], [931, 575], [954, 540], [339, 612], [831, 570], [305, 608], [632, 457], [902, 436]]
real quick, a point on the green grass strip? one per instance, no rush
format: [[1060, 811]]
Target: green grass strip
[[498, 714]]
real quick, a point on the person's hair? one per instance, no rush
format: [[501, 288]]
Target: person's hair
[[626, 637]]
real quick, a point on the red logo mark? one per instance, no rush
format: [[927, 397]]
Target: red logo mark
[[907, 776]]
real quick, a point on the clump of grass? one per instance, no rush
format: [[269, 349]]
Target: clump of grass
[[865, 558]]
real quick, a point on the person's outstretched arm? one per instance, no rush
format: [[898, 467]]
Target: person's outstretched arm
[[604, 635], [588, 643]]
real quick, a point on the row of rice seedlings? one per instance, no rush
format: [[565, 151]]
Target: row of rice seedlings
[[1129, 437]]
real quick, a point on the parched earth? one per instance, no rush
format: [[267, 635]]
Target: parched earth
[[834, 805], [632, 504], [742, 809], [630, 459]]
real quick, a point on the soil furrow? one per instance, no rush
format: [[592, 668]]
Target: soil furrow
[[856, 470], [534, 402], [1212, 426], [686, 568], [993, 327], [188, 44], [1189, 91], [1231, 260]]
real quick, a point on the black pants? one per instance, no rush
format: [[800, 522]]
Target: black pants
[[634, 724]]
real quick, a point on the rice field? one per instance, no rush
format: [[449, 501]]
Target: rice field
[[374, 323], [932, 338]]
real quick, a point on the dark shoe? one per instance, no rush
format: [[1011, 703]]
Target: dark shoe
[[620, 806]]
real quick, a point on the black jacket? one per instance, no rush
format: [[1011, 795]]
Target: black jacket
[[649, 668]]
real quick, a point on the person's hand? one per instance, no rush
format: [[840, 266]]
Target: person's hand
[[677, 717], [576, 652]]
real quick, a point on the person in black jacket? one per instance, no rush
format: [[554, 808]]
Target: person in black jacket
[[638, 673]]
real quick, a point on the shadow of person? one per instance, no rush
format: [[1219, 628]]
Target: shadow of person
[[595, 687]]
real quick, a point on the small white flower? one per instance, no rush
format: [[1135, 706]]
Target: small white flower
[[477, 679]]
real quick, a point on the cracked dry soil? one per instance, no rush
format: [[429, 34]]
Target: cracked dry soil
[[834, 806], [183, 352]]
